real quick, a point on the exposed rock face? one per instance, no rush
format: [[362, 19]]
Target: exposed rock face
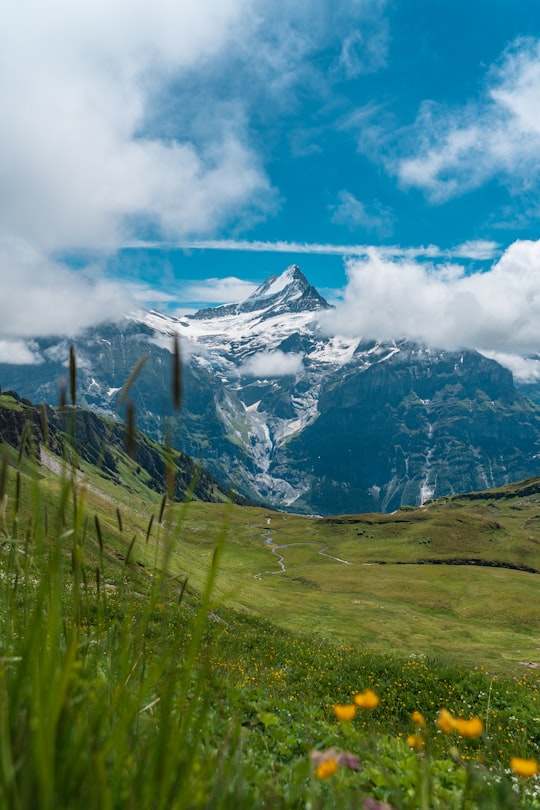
[[19, 423], [407, 431], [299, 419]]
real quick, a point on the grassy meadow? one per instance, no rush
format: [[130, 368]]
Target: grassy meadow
[[195, 655], [377, 580]]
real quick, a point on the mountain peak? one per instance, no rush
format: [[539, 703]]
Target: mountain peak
[[291, 281], [288, 292]]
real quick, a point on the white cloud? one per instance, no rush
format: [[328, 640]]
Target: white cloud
[[477, 249], [217, 290], [365, 49], [499, 135], [79, 167], [149, 296], [272, 364], [39, 297], [498, 310], [481, 249], [19, 352], [294, 31], [86, 156], [123, 118], [525, 369]]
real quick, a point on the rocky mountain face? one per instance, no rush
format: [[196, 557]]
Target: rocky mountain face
[[299, 419]]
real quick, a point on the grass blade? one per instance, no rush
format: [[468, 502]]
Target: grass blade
[[72, 375], [131, 379]]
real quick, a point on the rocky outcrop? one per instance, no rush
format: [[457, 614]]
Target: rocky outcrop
[[21, 426]]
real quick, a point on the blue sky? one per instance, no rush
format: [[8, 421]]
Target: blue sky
[[175, 154], [363, 103]]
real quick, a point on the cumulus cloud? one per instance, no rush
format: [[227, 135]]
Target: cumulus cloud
[[497, 311], [19, 352], [79, 164], [272, 364], [497, 135], [131, 119], [39, 297], [87, 156]]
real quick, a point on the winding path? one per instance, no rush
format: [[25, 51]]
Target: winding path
[[274, 548]]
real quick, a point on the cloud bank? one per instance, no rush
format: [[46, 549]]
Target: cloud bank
[[130, 115], [39, 297], [81, 165], [496, 311]]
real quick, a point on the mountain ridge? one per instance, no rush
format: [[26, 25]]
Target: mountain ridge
[[300, 419]]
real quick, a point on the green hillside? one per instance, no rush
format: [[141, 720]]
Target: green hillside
[[115, 452], [458, 578]]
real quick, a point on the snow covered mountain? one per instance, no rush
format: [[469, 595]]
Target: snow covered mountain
[[288, 293], [301, 419]]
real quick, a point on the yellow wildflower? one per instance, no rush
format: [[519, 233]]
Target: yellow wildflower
[[418, 719], [524, 767], [415, 741], [326, 768], [345, 712], [445, 721], [367, 699], [469, 728]]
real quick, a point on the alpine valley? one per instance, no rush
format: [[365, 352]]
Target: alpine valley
[[295, 418]]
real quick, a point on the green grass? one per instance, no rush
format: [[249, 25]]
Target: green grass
[[10, 403], [123, 686], [399, 593]]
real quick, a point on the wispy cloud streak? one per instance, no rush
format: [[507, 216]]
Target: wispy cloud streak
[[480, 249]]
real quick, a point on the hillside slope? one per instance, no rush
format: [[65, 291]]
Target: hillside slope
[[102, 443]]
